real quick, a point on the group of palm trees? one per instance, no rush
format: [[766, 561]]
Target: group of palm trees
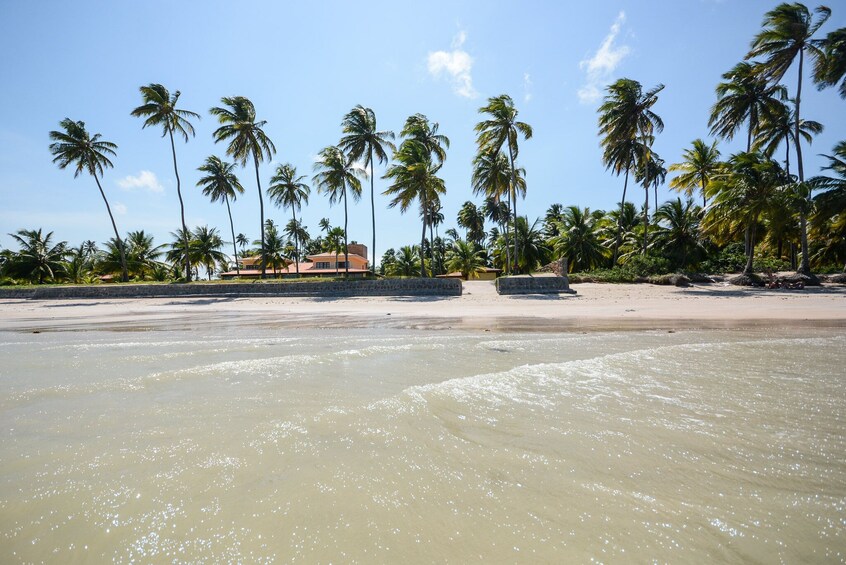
[[747, 197]]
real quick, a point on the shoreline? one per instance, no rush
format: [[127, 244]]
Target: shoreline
[[595, 307]]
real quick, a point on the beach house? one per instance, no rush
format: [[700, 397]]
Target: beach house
[[319, 265]]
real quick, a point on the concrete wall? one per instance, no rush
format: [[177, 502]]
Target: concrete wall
[[539, 284], [383, 287]]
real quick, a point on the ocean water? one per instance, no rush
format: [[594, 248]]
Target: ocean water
[[214, 444]]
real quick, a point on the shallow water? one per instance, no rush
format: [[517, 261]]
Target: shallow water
[[220, 445]]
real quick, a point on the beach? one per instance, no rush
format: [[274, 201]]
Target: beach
[[623, 423], [594, 306]]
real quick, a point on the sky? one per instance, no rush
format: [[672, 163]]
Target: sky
[[305, 65]]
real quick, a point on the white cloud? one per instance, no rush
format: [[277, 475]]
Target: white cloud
[[145, 180], [120, 209], [527, 87], [456, 64], [602, 65]]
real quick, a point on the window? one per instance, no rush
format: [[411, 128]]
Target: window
[[322, 265]]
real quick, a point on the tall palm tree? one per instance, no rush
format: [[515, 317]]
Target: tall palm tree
[[832, 69], [243, 241], [492, 177], [473, 220], [336, 175], [221, 184], [414, 177], [626, 120], [778, 127], [362, 140], [787, 37], [502, 128], [288, 190], [246, 140], [700, 163], [38, 258], [744, 97], [832, 202], [295, 230], [420, 129], [651, 172], [74, 146], [159, 109]]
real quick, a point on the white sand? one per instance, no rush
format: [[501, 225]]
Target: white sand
[[595, 306]]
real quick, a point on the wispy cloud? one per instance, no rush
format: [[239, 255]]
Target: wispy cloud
[[120, 209], [456, 65], [599, 68], [527, 87], [145, 180]]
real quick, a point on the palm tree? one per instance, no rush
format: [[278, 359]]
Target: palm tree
[[502, 128], [74, 146], [678, 234], [221, 184], [531, 241], [471, 218], [243, 241], [295, 230], [406, 262], [745, 97], [651, 172], [492, 177], [287, 190], [420, 129], [626, 120], [206, 245], [159, 109], [142, 253], [38, 257], [832, 68], [778, 127], [699, 165], [335, 243], [578, 239], [787, 36], [336, 174], [832, 202], [552, 219], [362, 141], [742, 194], [465, 258], [246, 139], [415, 177]]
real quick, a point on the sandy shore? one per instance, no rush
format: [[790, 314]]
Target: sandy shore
[[595, 306]]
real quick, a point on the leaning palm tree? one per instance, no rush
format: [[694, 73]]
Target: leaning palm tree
[[362, 140], [288, 190], [502, 128], [414, 177], [336, 174], [246, 140], [700, 164], [221, 184], [159, 109], [787, 37], [626, 120], [744, 97], [74, 146]]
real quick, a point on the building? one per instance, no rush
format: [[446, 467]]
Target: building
[[319, 265]]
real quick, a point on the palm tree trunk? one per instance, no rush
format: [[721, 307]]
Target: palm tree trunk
[[804, 267], [646, 217], [422, 247], [181, 208], [232, 228], [514, 190], [346, 248], [261, 212], [750, 237], [124, 273], [296, 243], [372, 211], [620, 219]]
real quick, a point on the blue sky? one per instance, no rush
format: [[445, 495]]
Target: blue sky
[[305, 66]]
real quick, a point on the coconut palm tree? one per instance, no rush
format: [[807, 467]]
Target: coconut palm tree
[[142, 253], [38, 258], [74, 146], [832, 202], [336, 174], [246, 140], [420, 129], [777, 127], [700, 163], [159, 109], [787, 37], [221, 185], [626, 120], [502, 128], [335, 243], [406, 262], [206, 245], [414, 177], [651, 172], [531, 241], [578, 239], [492, 178], [471, 218], [466, 258], [744, 97], [287, 190], [362, 140], [678, 235], [295, 230], [832, 68], [243, 241]]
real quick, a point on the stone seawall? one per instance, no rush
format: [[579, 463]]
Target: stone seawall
[[538, 284], [384, 287]]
